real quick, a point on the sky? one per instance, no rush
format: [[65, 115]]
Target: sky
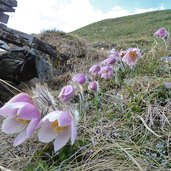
[[35, 16]]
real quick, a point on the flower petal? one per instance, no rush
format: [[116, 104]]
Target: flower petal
[[65, 119], [32, 126], [11, 126], [28, 112], [52, 116], [20, 138], [6, 111], [21, 97], [10, 109], [62, 139], [46, 134]]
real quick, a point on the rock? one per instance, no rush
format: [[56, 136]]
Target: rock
[[21, 65]]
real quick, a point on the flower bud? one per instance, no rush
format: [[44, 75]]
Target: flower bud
[[67, 93]]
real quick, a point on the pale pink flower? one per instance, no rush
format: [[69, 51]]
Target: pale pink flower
[[79, 78], [106, 72], [22, 116], [93, 86], [66, 93], [131, 56], [58, 126], [94, 69]]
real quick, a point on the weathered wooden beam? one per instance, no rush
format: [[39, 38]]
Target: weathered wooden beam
[[6, 8], [11, 3], [4, 18], [22, 39]]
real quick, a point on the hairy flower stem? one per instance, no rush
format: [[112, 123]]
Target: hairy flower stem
[[96, 101], [81, 102]]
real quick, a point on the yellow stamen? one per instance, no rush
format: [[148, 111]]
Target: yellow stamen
[[133, 55], [55, 126], [22, 121]]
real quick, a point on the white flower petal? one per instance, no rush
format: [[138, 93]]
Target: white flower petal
[[62, 139], [46, 134], [20, 138], [11, 126]]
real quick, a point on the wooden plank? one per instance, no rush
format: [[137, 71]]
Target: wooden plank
[[11, 3], [4, 18], [6, 8], [22, 39]]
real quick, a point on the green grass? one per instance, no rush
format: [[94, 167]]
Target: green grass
[[125, 31]]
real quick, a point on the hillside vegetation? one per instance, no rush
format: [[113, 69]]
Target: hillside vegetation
[[125, 31], [126, 124]]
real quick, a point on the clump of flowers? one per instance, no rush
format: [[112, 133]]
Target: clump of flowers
[[25, 114]]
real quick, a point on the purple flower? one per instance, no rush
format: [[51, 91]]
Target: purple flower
[[94, 70], [114, 52], [167, 84], [162, 33], [79, 78], [106, 72], [109, 61], [131, 56], [166, 58], [59, 126], [66, 93], [93, 86], [22, 116]]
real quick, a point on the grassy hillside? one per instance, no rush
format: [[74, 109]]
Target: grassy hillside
[[126, 124], [126, 31]]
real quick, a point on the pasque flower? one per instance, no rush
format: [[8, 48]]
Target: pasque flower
[[115, 54], [93, 86], [94, 70], [162, 33], [22, 116], [131, 56], [109, 61], [66, 93], [59, 126], [106, 72], [79, 78]]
